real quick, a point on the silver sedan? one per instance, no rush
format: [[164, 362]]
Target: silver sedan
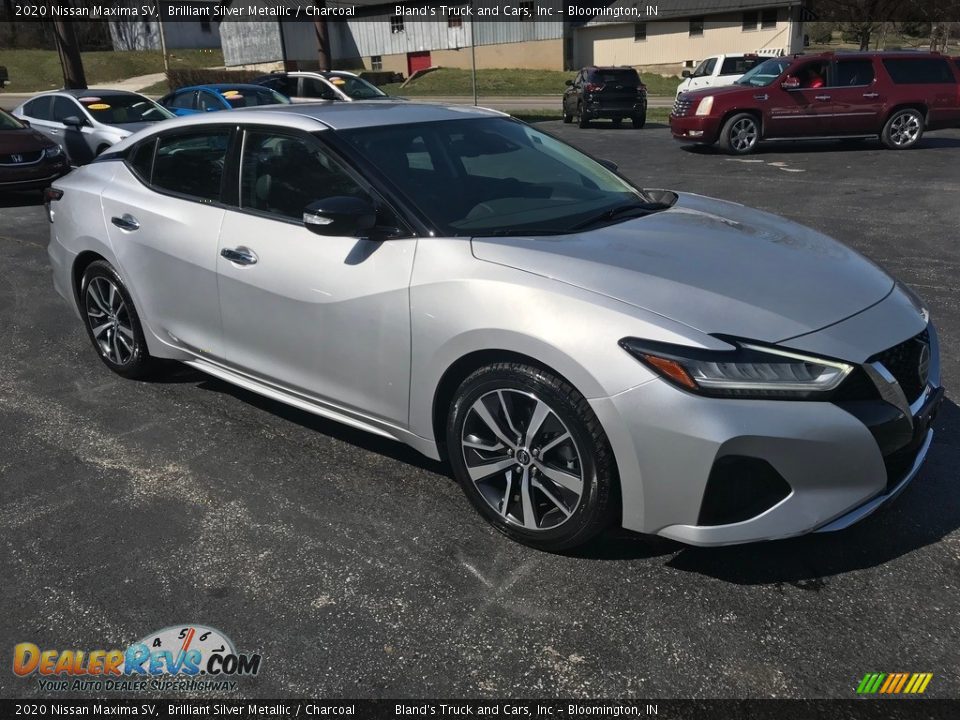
[[584, 352], [87, 122]]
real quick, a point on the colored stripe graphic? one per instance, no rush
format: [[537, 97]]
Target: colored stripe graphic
[[894, 683]]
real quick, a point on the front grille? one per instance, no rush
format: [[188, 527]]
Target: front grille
[[681, 106], [27, 158], [909, 363]]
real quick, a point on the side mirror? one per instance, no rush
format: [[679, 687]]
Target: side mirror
[[608, 164], [73, 121], [24, 121], [790, 83], [569, 83], [340, 216], [686, 74]]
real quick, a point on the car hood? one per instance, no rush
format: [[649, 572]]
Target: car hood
[[722, 90], [22, 140], [716, 266]]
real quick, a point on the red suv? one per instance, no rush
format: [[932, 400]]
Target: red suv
[[896, 96]]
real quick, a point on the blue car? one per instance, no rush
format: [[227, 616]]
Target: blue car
[[225, 96]]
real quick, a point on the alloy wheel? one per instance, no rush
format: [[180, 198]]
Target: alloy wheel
[[109, 320], [743, 134], [522, 459], [905, 129]]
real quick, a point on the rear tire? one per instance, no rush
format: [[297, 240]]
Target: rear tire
[[639, 121], [740, 134], [903, 129], [582, 121], [553, 490], [112, 323]]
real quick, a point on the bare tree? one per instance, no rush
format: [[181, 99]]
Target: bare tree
[[323, 39]]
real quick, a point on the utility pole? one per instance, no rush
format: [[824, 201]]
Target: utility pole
[[163, 40], [473, 51], [69, 50]]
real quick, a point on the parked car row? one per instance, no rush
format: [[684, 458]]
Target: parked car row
[[84, 123]]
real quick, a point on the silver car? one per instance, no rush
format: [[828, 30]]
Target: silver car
[[330, 85], [583, 352], [87, 122]]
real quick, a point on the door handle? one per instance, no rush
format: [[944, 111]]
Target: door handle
[[126, 222], [240, 256], [871, 95], [822, 97], [760, 97]]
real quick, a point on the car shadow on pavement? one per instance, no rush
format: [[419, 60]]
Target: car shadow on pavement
[[927, 511], [27, 198], [825, 146], [358, 438]]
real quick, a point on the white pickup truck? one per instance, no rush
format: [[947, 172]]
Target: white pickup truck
[[721, 70]]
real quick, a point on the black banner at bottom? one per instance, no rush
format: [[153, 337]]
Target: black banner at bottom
[[907, 709]]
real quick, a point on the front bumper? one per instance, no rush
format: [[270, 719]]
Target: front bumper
[[694, 128], [838, 465], [32, 177]]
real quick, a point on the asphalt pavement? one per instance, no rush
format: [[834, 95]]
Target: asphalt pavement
[[358, 569]]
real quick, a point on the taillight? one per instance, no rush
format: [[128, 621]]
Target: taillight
[[641, 89], [50, 195], [593, 87]]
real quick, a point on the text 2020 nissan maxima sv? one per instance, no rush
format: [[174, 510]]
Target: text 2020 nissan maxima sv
[[583, 351]]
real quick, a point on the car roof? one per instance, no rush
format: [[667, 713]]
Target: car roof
[[97, 92], [221, 87], [320, 116]]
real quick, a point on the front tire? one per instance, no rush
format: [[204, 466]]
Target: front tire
[[531, 456], [740, 134], [112, 323], [903, 129], [567, 117]]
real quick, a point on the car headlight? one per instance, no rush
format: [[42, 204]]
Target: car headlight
[[745, 371], [54, 151], [705, 106]]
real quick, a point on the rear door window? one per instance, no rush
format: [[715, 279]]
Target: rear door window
[[185, 101], [39, 108], [738, 65], [192, 163], [315, 88], [919, 71], [854, 72]]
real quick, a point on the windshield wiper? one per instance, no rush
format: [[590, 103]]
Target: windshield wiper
[[521, 232], [640, 208]]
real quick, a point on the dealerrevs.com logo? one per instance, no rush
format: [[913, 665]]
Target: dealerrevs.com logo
[[186, 657]]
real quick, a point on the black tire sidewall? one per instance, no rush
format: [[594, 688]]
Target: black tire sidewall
[[140, 363], [594, 512]]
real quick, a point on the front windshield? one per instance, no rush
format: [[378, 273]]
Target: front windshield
[[491, 176], [123, 109], [354, 87], [9, 122], [764, 73]]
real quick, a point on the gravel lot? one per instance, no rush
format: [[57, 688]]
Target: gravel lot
[[357, 568]]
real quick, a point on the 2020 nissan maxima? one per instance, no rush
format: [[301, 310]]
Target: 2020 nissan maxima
[[585, 352]]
